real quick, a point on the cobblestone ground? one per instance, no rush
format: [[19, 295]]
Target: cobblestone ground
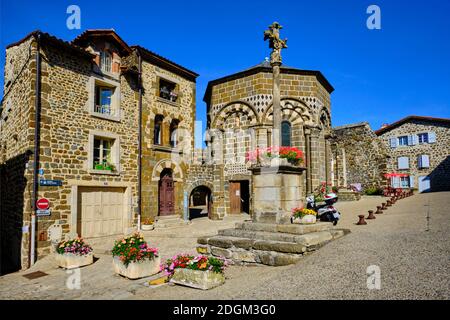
[[412, 252]]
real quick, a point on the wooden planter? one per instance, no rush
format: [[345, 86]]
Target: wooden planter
[[197, 279], [71, 261], [136, 270]]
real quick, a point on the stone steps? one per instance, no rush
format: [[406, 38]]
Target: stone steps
[[273, 248], [164, 222], [285, 228]]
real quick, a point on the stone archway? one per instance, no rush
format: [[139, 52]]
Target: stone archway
[[167, 164], [200, 199]]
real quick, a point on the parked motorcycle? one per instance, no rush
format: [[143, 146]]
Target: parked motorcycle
[[325, 212]]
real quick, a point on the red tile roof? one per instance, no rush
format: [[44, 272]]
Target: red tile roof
[[408, 119]]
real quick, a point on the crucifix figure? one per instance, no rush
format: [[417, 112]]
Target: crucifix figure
[[276, 44]]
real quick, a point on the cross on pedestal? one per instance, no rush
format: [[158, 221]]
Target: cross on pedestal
[[276, 44]]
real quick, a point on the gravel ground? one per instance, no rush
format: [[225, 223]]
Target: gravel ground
[[412, 252]]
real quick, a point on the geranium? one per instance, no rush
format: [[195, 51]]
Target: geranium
[[133, 249], [301, 212], [75, 246], [292, 154], [321, 191], [201, 262]]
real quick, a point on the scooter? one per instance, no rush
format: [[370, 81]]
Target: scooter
[[325, 212]]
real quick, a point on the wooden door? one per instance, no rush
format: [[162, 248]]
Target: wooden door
[[100, 211], [166, 195], [235, 198]]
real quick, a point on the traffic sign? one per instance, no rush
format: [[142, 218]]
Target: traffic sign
[[42, 204], [40, 213]]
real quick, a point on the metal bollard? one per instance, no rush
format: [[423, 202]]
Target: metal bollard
[[388, 203], [361, 220], [379, 210], [383, 206], [371, 216]]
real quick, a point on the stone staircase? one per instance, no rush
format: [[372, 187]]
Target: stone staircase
[[269, 243], [163, 222]]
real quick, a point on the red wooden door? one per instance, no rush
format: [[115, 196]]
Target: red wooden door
[[166, 195], [235, 198]]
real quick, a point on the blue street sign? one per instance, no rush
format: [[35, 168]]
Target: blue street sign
[[40, 213], [41, 172], [50, 183]]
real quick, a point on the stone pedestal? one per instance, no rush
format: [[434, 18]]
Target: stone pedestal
[[276, 191]]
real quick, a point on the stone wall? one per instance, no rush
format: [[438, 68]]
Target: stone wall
[[438, 152], [16, 158], [364, 156]]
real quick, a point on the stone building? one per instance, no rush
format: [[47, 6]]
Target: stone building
[[418, 147], [239, 111], [86, 97], [359, 157]]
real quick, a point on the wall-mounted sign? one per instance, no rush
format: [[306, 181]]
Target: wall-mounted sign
[[50, 183], [40, 213], [42, 204], [41, 172]]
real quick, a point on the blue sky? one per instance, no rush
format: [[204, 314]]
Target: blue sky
[[379, 76]]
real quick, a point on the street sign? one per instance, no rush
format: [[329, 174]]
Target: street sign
[[40, 213], [50, 183], [42, 204]]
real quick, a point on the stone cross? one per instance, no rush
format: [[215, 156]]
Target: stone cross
[[276, 44]]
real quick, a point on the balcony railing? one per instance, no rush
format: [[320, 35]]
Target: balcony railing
[[106, 110]]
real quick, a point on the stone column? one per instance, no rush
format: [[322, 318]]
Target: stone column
[[327, 159], [308, 160], [314, 158], [276, 140]]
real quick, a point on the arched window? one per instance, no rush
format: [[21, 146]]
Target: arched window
[[285, 134], [157, 133], [174, 133]]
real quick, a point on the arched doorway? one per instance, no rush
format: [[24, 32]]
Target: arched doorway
[[166, 193], [200, 202]]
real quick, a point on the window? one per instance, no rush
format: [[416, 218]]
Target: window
[[403, 141], [285, 134], [167, 90], [174, 133], [423, 161], [423, 137], [102, 154], [103, 101], [404, 182], [157, 133], [403, 163], [105, 61]]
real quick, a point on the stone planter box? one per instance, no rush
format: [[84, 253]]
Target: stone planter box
[[308, 219], [71, 261], [197, 279], [147, 227], [136, 270]]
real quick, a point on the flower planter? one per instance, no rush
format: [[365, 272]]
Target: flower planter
[[71, 261], [136, 270], [308, 219], [197, 279], [147, 227]]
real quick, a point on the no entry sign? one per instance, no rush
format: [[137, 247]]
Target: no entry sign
[[42, 204]]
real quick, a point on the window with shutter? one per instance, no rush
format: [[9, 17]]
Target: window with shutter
[[403, 141], [411, 181], [431, 137], [393, 142], [403, 163], [424, 161]]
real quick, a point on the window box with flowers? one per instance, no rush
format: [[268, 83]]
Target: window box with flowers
[[200, 272], [303, 216], [133, 258], [276, 156], [74, 253]]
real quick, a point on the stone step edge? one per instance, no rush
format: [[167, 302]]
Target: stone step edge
[[227, 242], [298, 229]]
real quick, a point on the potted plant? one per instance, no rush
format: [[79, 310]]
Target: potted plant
[[276, 156], [74, 253], [200, 272], [304, 216], [134, 258], [147, 224]]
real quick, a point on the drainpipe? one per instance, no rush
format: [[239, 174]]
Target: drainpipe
[[140, 141], [37, 125]]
